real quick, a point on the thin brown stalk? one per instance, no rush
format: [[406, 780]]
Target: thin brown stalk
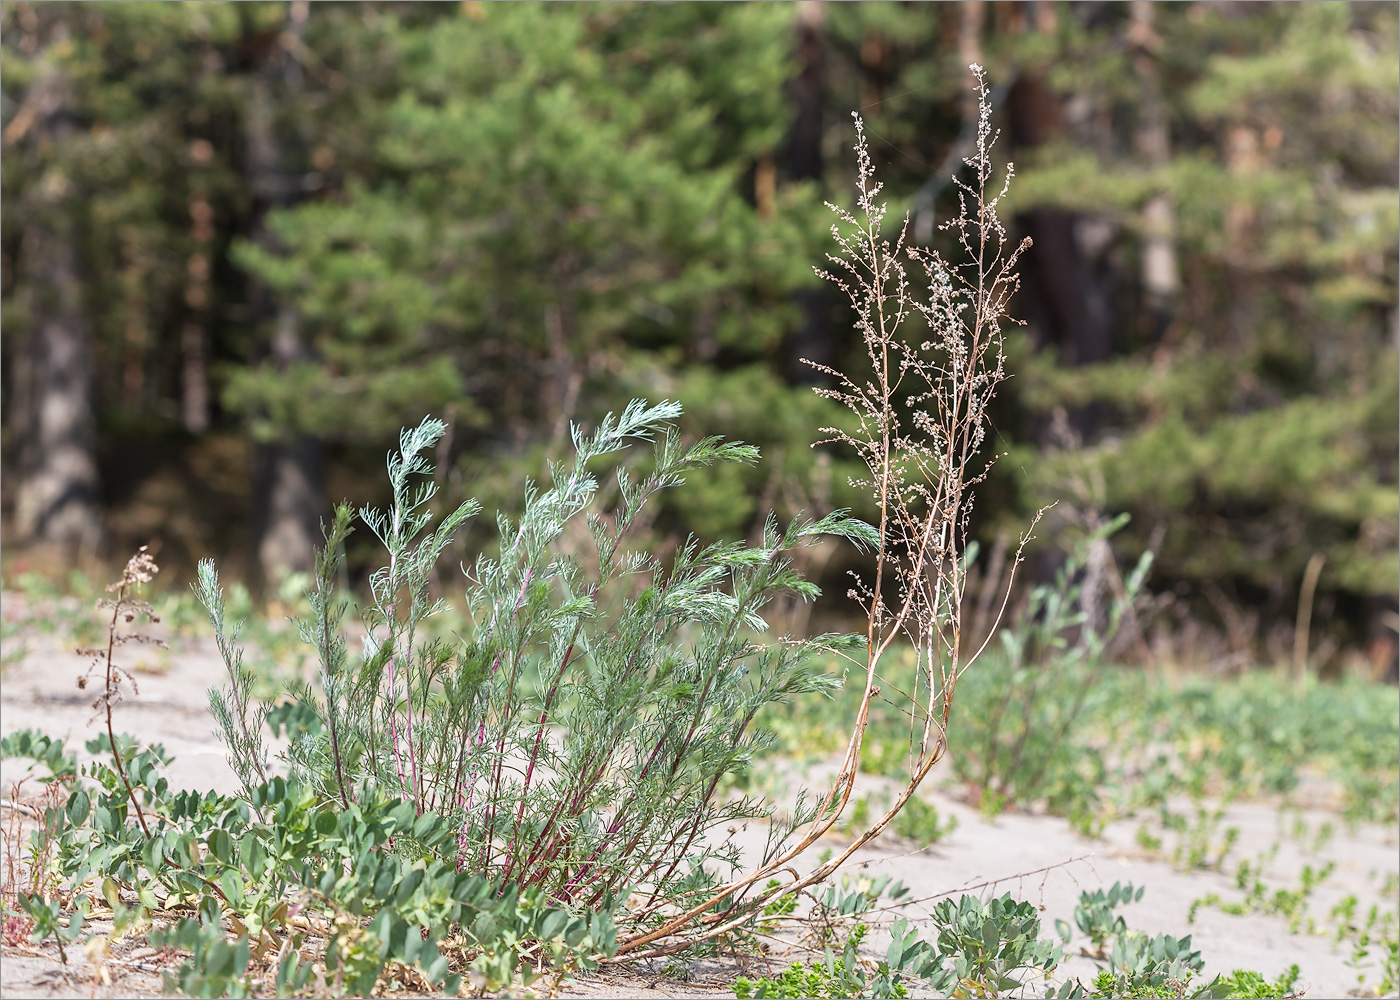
[[920, 421], [140, 568]]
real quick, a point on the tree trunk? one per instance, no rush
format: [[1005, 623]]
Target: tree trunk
[[1066, 303], [288, 484], [563, 378], [57, 501], [290, 481], [1160, 274], [973, 14], [812, 340], [194, 337], [1245, 159]]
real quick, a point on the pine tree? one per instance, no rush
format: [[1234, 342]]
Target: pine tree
[[1212, 306], [560, 209], [1248, 414]]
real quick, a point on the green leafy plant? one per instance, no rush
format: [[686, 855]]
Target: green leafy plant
[[364, 876], [1095, 916], [54, 607], [1255, 736], [1147, 840], [773, 913], [1134, 964], [1196, 846], [30, 904], [576, 743], [1376, 933], [818, 980], [41, 748], [1164, 967], [921, 822], [857, 818], [992, 948], [1251, 985], [15, 649], [216, 967], [908, 958], [1139, 964], [1291, 904], [838, 925], [988, 942], [283, 882], [839, 909], [1023, 717], [49, 922]]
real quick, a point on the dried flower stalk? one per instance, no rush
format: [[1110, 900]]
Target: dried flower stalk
[[920, 425], [140, 569]]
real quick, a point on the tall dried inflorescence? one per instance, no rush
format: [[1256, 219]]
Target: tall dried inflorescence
[[919, 424], [126, 607]]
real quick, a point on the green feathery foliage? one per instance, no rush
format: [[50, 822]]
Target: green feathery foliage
[[579, 729]]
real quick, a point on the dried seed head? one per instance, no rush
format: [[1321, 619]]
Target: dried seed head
[[140, 568]]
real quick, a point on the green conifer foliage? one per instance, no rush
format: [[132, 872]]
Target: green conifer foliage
[[556, 211], [1258, 426]]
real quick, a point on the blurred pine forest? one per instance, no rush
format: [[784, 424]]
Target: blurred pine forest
[[243, 243]]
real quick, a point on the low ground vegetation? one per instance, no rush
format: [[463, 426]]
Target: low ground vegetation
[[284, 891], [489, 797], [1098, 742]]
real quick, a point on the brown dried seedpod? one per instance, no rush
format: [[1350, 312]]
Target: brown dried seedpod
[[140, 568]]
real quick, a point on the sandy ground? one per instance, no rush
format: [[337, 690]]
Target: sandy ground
[[1037, 858]]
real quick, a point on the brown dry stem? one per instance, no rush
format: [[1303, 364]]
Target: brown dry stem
[[140, 569], [919, 426]]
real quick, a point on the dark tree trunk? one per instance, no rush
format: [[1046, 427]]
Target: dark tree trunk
[[289, 482], [812, 340], [57, 501], [1065, 303], [1066, 306]]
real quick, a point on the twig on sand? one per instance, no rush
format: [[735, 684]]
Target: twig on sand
[[983, 885]]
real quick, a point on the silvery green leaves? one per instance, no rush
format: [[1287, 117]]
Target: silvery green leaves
[[321, 758], [230, 706], [401, 592], [577, 728], [411, 559], [1094, 915], [990, 942], [650, 677]]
